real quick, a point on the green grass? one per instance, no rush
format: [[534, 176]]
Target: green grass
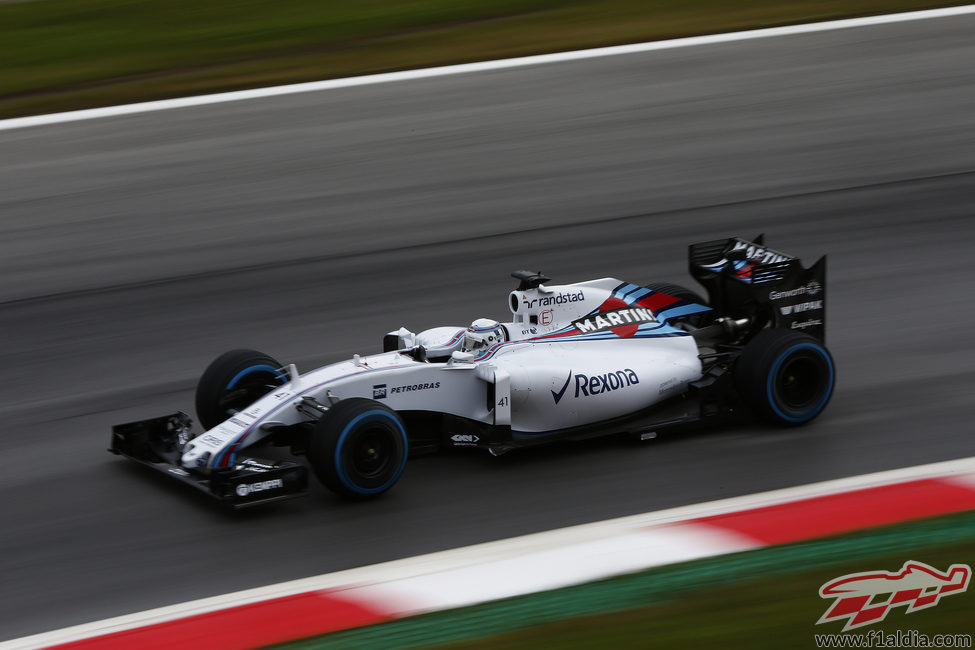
[[755, 614], [763, 599], [68, 54]]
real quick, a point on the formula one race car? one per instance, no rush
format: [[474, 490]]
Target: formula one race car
[[592, 358]]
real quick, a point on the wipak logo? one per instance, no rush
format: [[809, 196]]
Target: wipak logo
[[801, 307], [867, 598]]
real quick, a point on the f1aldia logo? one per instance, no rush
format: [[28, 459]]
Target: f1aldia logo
[[866, 598], [587, 386]]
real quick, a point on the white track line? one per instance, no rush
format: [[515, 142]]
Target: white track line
[[502, 64], [508, 550], [556, 566]]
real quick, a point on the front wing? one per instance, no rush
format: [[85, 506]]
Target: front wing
[[156, 443]]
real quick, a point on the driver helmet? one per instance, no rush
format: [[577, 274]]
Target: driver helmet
[[482, 334]]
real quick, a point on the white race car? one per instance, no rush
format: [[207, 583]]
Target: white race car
[[578, 360]]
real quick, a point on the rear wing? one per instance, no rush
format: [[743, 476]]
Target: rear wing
[[747, 279]]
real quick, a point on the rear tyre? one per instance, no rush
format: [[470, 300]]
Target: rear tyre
[[358, 449], [677, 291], [785, 377], [234, 381]]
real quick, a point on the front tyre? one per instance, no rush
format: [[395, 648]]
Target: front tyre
[[785, 377], [234, 381], [358, 449]]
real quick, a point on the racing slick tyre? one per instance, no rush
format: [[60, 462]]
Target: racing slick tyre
[[234, 381], [358, 449], [677, 291], [785, 377]]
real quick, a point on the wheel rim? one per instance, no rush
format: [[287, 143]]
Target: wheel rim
[[371, 454], [800, 382], [371, 450]]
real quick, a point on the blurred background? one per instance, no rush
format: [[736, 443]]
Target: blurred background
[[67, 54], [135, 249]]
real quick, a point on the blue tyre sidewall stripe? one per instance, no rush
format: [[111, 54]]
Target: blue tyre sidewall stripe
[[770, 379], [259, 368], [375, 414]]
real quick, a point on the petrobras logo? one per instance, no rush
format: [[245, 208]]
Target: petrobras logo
[[589, 386], [557, 299], [811, 289], [617, 318], [801, 307], [756, 253], [433, 385], [382, 391], [245, 489], [866, 598]]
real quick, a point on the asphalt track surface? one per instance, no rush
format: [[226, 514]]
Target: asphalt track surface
[[133, 250]]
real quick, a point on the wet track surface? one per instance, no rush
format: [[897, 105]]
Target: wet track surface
[[134, 250]]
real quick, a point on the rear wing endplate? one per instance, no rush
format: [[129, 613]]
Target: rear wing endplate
[[747, 279]]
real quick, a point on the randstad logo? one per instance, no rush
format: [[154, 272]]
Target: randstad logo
[[559, 299]]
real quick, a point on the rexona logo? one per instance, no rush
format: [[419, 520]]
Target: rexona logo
[[558, 299], [813, 288], [756, 253], [801, 307], [244, 489], [607, 320], [587, 386], [866, 598]]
